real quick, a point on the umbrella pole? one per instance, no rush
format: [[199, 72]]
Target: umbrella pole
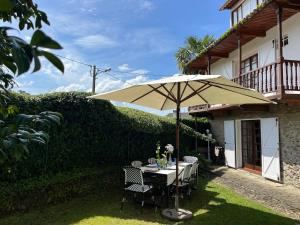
[[177, 152], [177, 214]]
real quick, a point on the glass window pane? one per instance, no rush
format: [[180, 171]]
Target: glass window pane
[[240, 11], [235, 18], [246, 8]]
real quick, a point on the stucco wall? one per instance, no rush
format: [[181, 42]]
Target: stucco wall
[[289, 128]]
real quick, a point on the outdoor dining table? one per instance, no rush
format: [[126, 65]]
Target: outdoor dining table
[[167, 175]]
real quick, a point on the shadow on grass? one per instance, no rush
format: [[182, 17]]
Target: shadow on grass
[[211, 205]]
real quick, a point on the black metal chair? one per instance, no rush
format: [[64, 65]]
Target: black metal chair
[[134, 183]]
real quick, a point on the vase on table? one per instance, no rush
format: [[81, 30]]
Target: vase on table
[[170, 160]]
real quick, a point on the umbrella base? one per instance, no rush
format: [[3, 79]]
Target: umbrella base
[[177, 215]]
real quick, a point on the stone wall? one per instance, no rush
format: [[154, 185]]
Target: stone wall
[[289, 134]]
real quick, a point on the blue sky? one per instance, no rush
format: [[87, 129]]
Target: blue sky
[[137, 37]]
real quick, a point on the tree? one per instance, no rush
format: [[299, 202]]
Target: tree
[[193, 47], [17, 130]]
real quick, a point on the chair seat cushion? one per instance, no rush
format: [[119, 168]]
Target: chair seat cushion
[[138, 188]]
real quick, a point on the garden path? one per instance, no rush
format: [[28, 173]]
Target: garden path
[[282, 198]]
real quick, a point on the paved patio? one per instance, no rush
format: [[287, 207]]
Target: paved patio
[[282, 198]]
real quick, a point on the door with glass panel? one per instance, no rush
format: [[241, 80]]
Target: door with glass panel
[[251, 145]]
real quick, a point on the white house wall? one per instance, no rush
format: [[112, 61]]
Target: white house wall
[[263, 46], [292, 28], [222, 67]]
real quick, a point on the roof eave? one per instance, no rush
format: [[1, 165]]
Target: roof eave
[[229, 32]]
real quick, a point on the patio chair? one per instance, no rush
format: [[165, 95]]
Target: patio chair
[[137, 164], [190, 159], [194, 175], [134, 183], [151, 160], [184, 180]]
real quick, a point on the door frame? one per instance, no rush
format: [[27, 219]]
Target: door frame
[[248, 168], [238, 139]]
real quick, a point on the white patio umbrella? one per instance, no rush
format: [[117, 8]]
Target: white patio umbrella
[[181, 91]]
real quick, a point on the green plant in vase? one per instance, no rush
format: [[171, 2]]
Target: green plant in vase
[[161, 159]]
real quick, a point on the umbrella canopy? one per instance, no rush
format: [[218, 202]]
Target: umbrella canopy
[[181, 91], [194, 90]]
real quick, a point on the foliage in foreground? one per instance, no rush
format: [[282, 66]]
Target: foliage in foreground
[[17, 131]]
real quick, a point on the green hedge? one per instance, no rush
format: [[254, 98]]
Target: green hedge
[[93, 133], [44, 190]]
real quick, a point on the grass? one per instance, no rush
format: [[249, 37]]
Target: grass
[[212, 204]]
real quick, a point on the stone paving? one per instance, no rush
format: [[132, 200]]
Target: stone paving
[[283, 199]]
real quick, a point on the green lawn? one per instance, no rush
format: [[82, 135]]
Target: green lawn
[[212, 204]]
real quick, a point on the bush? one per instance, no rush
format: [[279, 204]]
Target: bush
[[94, 132], [41, 191]]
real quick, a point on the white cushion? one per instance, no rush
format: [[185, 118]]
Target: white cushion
[[190, 159], [138, 188]]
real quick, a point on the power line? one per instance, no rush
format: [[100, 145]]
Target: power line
[[113, 70], [135, 73], [73, 60], [116, 78], [96, 70]]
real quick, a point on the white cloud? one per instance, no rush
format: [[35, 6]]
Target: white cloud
[[150, 41], [108, 84], [140, 5], [23, 84], [140, 71], [97, 41], [146, 5], [71, 87], [124, 68]]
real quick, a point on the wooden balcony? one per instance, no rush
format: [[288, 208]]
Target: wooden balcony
[[266, 80]]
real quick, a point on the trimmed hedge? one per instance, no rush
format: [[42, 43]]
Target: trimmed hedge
[[93, 133], [44, 190]]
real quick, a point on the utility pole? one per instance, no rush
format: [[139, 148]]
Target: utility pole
[[95, 71], [94, 76]]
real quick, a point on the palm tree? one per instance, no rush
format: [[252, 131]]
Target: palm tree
[[193, 47]]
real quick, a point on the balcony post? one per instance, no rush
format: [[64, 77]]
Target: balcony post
[[239, 58], [208, 64], [280, 58]]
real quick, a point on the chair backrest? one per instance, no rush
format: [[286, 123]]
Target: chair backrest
[[137, 164], [151, 160], [186, 173], [133, 175], [194, 168], [190, 159]]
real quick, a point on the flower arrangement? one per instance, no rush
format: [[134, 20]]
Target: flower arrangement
[[161, 161], [169, 150]]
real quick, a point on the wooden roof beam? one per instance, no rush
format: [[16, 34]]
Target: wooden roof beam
[[294, 7], [218, 54], [255, 33], [289, 4]]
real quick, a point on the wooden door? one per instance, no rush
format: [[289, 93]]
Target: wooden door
[[251, 145]]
